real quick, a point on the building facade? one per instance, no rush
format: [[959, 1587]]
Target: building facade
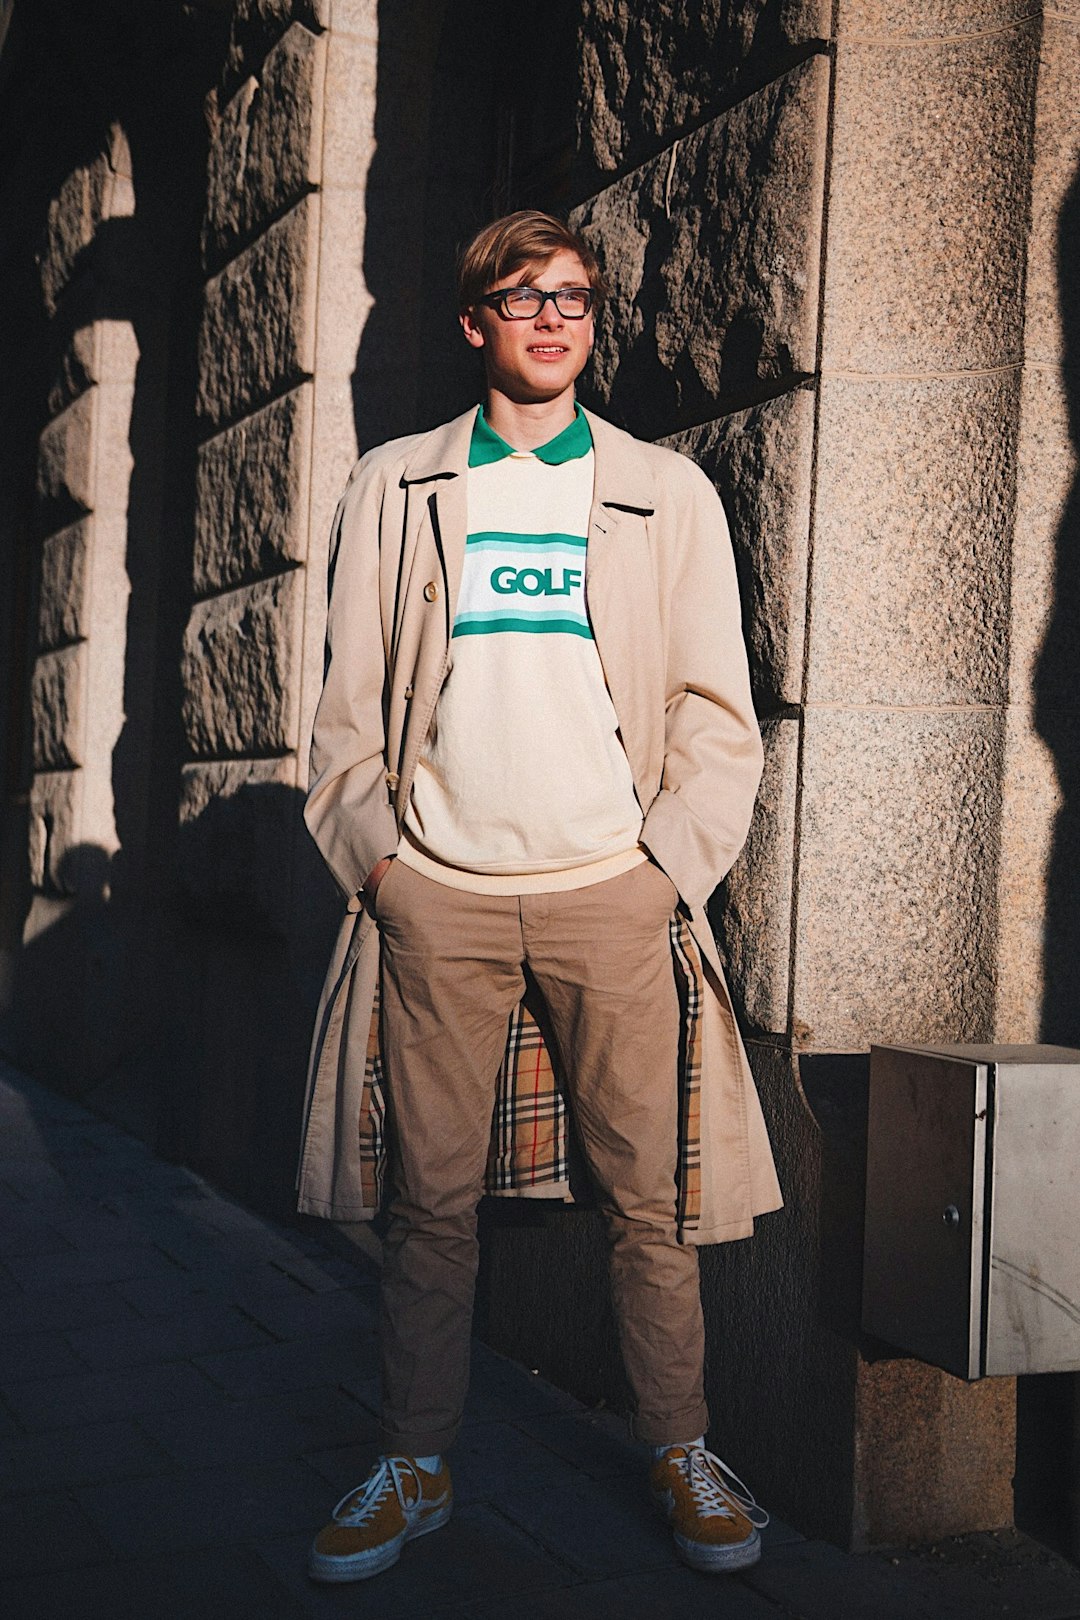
[[842, 242]]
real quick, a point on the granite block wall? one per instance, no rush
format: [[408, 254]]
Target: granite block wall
[[841, 241], [84, 469]]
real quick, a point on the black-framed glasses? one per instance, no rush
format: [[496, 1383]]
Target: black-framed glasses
[[525, 303]]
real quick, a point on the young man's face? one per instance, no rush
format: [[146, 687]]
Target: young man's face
[[535, 360]]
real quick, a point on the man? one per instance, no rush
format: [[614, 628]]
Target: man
[[534, 758]]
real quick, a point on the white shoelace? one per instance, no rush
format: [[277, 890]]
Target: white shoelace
[[358, 1506], [708, 1477]]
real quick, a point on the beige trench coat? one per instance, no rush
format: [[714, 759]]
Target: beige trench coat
[[663, 599]]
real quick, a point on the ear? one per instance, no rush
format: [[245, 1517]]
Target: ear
[[471, 327]]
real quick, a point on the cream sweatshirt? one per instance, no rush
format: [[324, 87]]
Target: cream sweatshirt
[[523, 785]]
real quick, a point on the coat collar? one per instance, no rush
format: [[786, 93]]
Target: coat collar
[[621, 476]]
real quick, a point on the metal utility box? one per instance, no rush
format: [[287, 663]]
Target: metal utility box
[[972, 1248]]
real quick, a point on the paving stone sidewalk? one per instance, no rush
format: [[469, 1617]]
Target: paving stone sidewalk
[[186, 1389]]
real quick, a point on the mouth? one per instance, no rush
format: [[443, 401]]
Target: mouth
[[548, 351]]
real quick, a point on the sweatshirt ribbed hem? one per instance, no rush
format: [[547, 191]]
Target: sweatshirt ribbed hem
[[574, 877]]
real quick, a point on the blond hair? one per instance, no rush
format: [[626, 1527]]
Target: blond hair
[[509, 244]]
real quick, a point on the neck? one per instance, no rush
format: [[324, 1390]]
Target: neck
[[527, 426]]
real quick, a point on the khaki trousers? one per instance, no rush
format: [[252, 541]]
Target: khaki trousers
[[453, 970]]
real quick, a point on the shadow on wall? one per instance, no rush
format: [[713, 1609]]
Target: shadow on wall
[[171, 985], [1058, 678], [428, 187], [1048, 1407], [258, 914], [465, 129], [215, 1002]]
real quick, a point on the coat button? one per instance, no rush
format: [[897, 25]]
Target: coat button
[[408, 692], [392, 780], [431, 591]]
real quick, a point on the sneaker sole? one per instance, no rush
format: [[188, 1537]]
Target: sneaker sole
[[359, 1566], [713, 1560]]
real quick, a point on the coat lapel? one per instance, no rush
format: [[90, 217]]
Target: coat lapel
[[623, 607], [441, 462]]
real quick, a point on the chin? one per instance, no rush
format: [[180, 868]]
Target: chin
[[535, 390]]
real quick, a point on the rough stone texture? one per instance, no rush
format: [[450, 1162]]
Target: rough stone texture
[[88, 348], [65, 463], [928, 203], [74, 215], [1038, 987], [353, 67], [113, 460], [712, 253], [1050, 333], [57, 706], [916, 484], [117, 348], [257, 333], [354, 16], [266, 150], [91, 192], [755, 911], [1031, 806], [936, 1455], [62, 600], [54, 808], [649, 73], [84, 456], [335, 435], [239, 670], [251, 491], [257, 25], [897, 848], [107, 672], [1045, 616], [73, 368], [345, 301], [238, 820], [926, 19], [760, 460]]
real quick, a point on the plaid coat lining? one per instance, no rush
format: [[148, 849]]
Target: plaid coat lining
[[531, 1136]]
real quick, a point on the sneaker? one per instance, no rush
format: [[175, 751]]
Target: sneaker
[[397, 1501], [714, 1518]]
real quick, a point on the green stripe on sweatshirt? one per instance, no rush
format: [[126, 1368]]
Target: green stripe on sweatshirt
[[492, 537], [483, 626]]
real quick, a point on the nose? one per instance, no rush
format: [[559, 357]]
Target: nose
[[547, 315]]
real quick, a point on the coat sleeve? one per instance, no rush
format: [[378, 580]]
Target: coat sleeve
[[348, 810], [697, 824]]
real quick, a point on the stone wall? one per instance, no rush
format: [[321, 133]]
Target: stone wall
[[840, 239], [222, 296], [842, 247], [84, 473], [79, 702]]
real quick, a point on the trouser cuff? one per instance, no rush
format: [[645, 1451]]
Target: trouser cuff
[[418, 1442], [672, 1429]]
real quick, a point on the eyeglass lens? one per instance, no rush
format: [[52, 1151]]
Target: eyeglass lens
[[572, 303]]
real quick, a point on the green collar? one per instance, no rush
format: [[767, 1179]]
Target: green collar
[[487, 445]]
